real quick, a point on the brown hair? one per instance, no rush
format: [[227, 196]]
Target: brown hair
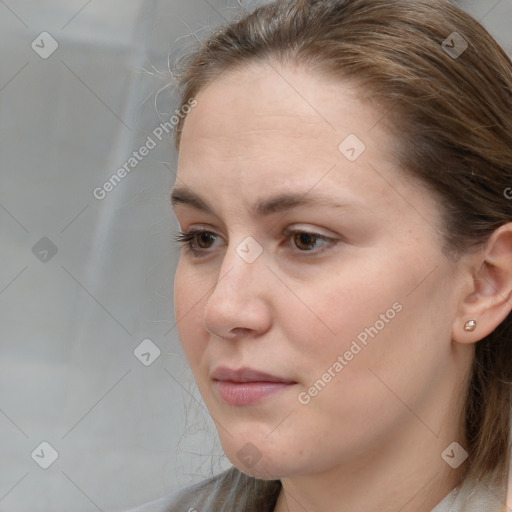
[[452, 116]]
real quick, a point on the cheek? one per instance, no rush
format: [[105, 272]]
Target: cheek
[[390, 336], [372, 317], [330, 313], [189, 296]]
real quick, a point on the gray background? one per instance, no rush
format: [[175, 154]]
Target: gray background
[[124, 432]]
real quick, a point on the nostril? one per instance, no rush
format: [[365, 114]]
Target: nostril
[[239, 332]]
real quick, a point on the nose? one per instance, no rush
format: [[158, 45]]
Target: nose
[[239, 304]]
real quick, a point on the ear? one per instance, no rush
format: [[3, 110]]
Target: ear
[[488, 298]]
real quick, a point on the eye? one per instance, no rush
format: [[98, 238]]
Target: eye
[[306, 241], [196, 240], [200, 240]]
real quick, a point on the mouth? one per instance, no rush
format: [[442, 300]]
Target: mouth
[[247, 386]]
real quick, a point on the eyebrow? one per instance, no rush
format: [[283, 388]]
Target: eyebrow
[[269, 206]]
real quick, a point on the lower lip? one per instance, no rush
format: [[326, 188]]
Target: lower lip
[[248, 393]]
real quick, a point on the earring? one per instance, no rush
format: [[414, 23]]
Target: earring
[[470, 325]]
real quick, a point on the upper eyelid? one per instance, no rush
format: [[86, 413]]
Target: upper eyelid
[[292, 231]]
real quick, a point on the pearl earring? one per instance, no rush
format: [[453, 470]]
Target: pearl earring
[[470, 325]]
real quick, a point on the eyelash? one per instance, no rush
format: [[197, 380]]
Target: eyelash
[[186, 239]]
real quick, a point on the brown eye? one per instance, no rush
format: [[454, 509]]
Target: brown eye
[[197, 241], [305, 241], [204, 239]]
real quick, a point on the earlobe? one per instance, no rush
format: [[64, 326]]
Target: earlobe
[[489, 300]]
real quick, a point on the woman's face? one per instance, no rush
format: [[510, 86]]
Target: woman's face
[[321, 268]]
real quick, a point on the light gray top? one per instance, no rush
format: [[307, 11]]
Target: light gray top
[[226, 493]]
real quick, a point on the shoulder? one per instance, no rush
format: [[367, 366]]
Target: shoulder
[[480, 498], [230, 490]]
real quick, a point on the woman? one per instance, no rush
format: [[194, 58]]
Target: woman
[[344, 290]]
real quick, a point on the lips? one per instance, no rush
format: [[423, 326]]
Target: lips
[[247, 386], [246, 375]]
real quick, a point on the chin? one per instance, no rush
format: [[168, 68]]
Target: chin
[[259, 458], [264, 469]]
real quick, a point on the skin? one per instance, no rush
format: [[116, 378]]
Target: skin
[[372, 438]]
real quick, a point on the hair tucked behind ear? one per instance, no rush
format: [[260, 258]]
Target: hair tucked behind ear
[[452, 117]]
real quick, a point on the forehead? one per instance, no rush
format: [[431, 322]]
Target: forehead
[[285, 101], [273, 115]]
